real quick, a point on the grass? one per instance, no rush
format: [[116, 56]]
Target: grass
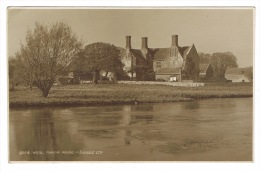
[[106, 94]]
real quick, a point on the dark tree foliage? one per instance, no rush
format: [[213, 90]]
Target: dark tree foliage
[[12, 73], [188, 69], [204, 58], [100, 56], [221, 61], [47, 55]]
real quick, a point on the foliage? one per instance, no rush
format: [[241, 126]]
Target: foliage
[[47, 55], [189, 69], [100, 56], [219, 61], [12, 73], [204, 58], [248, 71]]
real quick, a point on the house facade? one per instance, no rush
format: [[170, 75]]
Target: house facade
[[173, 63]]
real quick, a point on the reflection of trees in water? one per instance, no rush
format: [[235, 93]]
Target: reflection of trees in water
[[39, 132], [136, 114], [36, 132], [44, 133], [47, 129]]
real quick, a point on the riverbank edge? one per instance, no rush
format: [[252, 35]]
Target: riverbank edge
[[25, 104]]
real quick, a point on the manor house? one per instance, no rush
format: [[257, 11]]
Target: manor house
[[172, 63]]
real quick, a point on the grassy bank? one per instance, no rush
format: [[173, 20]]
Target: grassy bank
[[106, 94]]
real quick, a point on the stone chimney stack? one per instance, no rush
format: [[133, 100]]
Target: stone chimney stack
[[144, 47], [174, 40], [128, 43], [144, 43]]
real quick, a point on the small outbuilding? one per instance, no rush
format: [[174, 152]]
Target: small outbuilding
[[237, 75], [206, 71]]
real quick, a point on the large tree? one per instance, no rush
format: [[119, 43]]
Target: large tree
[[47, 54], [221, 61], [100, 56]]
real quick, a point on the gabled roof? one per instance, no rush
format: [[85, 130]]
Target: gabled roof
[[168, 71], [138, 54], [134, 52], [203, 68], [162, 53], [184, 50]]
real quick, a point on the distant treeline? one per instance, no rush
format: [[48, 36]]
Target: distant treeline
[[220, 62]]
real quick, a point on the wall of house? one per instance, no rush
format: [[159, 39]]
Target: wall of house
[[169, 63], [166, 77]]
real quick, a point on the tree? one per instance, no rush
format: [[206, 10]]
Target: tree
[[12, 70], [47, 54], [188, 69], [249, 72], [204, 58], [100, 56], [221, 61]]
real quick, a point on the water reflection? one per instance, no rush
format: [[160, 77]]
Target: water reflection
[[191, 106], [145, 107], [44, 132], [197, 130]]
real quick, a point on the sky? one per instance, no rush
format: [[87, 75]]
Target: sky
[[210, 30]]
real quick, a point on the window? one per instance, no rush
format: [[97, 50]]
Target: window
[[158, 65]]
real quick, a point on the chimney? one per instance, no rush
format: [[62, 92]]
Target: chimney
[[174, 40], [128, 43], [144, 43]]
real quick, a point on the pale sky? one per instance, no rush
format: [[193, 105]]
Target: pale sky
[[211, 30]]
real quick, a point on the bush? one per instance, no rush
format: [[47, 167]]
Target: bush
[[160, 80]]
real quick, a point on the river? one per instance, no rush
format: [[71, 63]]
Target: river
[[203, 130]]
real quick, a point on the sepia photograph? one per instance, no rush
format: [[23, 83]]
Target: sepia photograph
[[130, 84]]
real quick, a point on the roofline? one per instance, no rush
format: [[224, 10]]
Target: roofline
[[190, 49]]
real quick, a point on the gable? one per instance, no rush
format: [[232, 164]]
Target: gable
[[161, 54], [184, 50], [203, 68], [192, 52], [138, 54]]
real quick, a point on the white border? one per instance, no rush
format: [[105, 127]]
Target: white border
[[195, 166]]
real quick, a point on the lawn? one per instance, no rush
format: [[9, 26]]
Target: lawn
[[106, 94]]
